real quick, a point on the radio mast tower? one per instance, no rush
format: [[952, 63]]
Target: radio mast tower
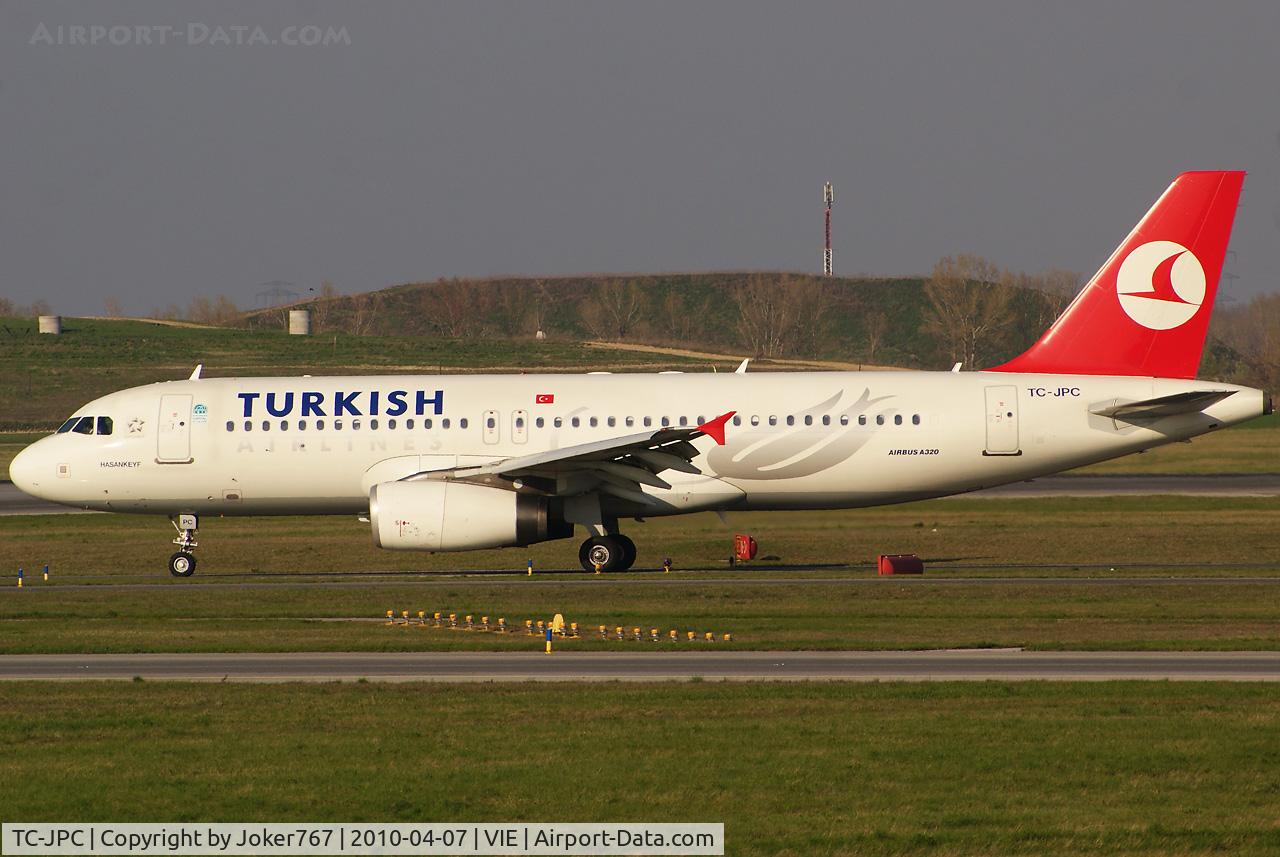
[[829, 197]]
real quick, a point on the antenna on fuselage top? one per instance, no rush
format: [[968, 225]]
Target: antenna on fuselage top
[[195, 374]]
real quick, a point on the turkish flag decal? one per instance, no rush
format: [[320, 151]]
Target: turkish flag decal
[[544, 399]]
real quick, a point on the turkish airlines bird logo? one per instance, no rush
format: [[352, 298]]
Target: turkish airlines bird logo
[[1160, 285]]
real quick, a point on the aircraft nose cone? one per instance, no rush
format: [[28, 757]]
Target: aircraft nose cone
[[22, 472]]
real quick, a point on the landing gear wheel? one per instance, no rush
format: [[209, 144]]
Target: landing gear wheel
[[628, 552], [607, 551], [182, 564]]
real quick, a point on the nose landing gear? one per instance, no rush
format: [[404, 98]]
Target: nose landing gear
[[183, 563]]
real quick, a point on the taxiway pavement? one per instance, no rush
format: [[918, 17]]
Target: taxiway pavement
[[949, 665]]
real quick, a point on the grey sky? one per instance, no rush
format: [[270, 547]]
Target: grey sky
[[474, 139]]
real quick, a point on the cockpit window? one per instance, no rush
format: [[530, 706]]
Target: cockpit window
[[104, 425], [68, 425], [84, 426]]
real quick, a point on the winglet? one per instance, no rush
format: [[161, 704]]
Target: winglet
[[714, 429], [742, 367], [195, 376]]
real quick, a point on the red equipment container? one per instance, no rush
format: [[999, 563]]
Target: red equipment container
[[744, 547], [899, 563]]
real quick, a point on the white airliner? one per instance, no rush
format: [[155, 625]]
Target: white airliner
[[452, 463]]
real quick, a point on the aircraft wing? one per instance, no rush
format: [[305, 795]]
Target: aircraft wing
[[1164, 406], [617, 466]]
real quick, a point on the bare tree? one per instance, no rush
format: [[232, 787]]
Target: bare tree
[[364, 313], [322, 307], [777, 317], [970, 306], [1252, 333], [683, 315], [113, 307], [614, 309], [454, 307], [874, 328]]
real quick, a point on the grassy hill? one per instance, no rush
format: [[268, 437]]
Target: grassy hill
[[705, 311], [45, 378]]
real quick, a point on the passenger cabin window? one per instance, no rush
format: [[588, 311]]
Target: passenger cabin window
[[319, 425], [248, 426], [915, 419], [594, 422], [791, 420], [631, 421], [773, 420], [737, 421], [826, 419], [540, 422], [231, 426], [897, 419], [879, 419], [808, 420], [862, 419], [755, 419], [462, 423], [844, 419]]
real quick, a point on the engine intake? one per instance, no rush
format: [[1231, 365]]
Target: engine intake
[[458, 516]]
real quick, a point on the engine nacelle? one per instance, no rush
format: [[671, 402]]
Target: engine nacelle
[[459, 516]]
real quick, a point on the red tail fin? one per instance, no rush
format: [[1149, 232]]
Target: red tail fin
[[1146, 312]]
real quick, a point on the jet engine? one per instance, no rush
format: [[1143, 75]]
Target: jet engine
[[458, 516]]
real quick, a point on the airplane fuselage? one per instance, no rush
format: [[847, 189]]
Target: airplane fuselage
[[805, 440]]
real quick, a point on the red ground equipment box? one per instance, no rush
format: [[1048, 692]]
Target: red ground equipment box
[[744, 547], [899, 563]]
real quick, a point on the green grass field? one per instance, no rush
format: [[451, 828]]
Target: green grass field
[[1168, 537], [805, 769]]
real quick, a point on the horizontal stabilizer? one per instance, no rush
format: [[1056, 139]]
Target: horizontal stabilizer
[[1165, 406]]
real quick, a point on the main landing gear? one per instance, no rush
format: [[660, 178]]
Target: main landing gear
[[614, 552], [183, 563]]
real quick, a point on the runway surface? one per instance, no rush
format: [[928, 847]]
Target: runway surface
[[14, 502], [1209, 485], [951, 665]]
